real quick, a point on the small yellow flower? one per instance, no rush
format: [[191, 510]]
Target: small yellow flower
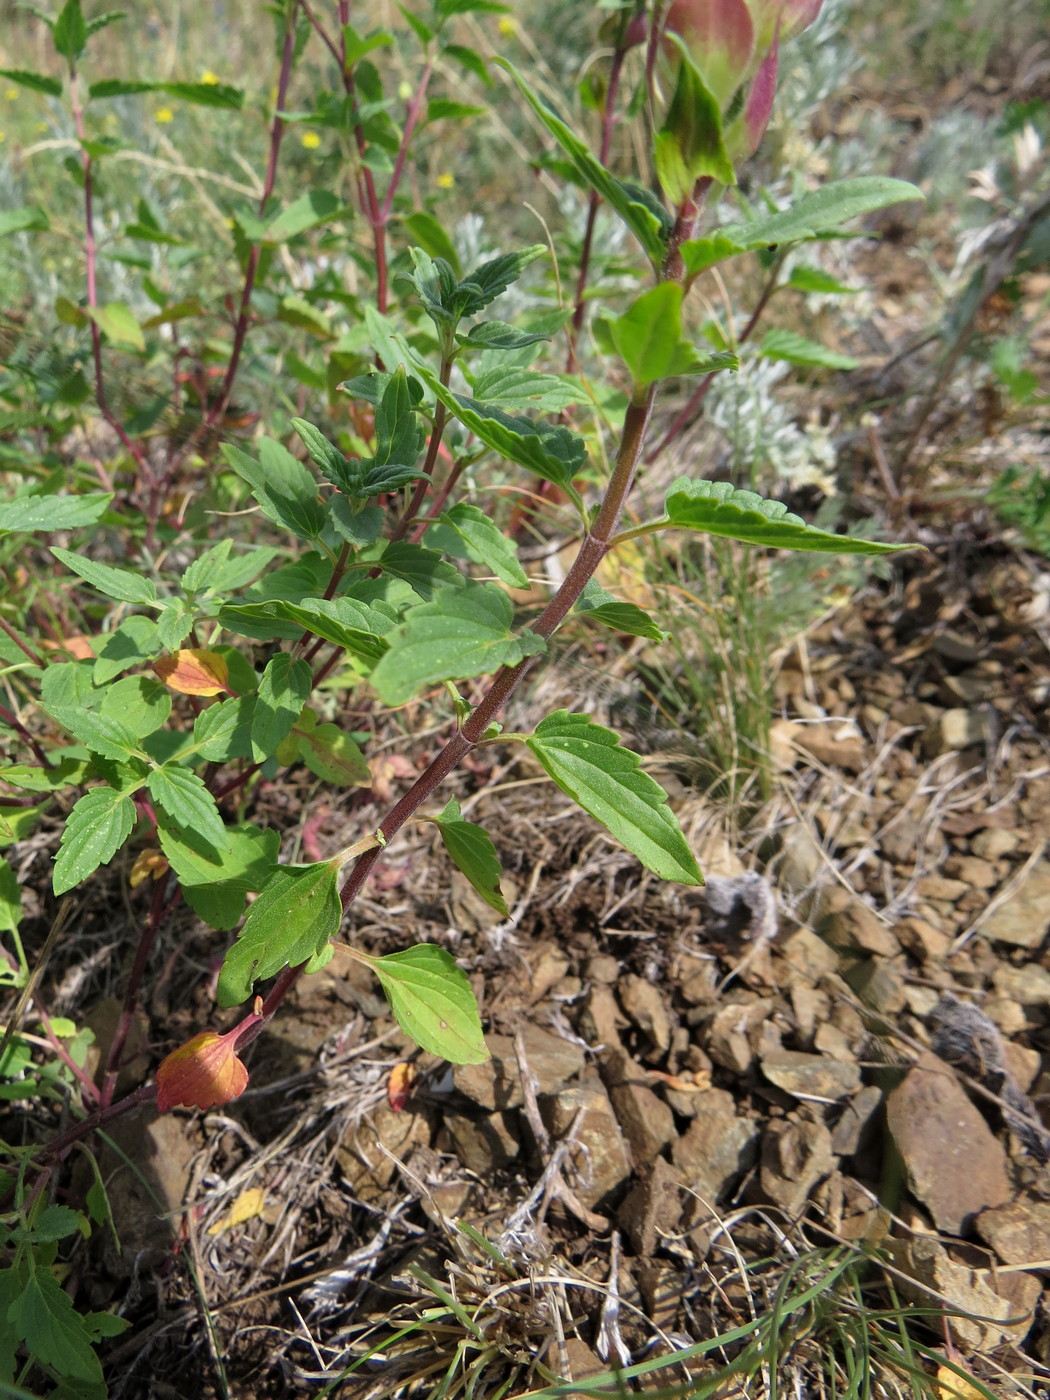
[[507, 27], [230, 223], [11, 94], [311, 140], [42, 127], [210, 78], [163, 114], [445, 180], [3, 137]]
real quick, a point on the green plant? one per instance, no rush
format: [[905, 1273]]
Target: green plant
[[369, 570]]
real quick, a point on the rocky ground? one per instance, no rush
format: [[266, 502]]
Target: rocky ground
[[833, 1058]]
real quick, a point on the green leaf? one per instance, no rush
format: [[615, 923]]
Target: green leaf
[[95, 830], [114, 583], [284, 489], [298, 910], [54, 1223], [201, 573], [645, 223], [431, 236], [223, 730], [629, 618], [69, 31], [588, 762], [27, 219], [121, 87], [37, 81], [104, 20], [464, 632], [690, 145], [797, 350], [10, 899], [51, 1329], [423, 570], [332, 756], [492, 278], [117, 321], [103, 735], [174, 624], [355, 47], [341, 621], [498, 335], [217, 890], [552, 452], [53, 512], [182, 796], [443, 108], [715, 508], [471, 851], [515, 387], [431, 998], [283, 691], [814, 279], [473, 62], [399, 434], [139, 703], [310, 209], [468, 531], [648, 338], [823, 211], [66, 689], [698, 254], [206, 94]]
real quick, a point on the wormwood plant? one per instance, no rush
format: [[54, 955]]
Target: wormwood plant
[[373, 573]]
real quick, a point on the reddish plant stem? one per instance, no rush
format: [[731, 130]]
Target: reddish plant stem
[[423, 485], [412, 111], [593, 548], [91, 269], [157, 914], [87, 1084], [608, 125], [687, 414], [59, 1146], [451, 481], [21, 645], [16, 724]]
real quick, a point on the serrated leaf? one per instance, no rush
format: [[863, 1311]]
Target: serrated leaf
[[103, 735], [649, 225], [66, 688], [54, 1223], [284, 489], [814, 279], [422, 569], [491, 279], [552, 452], [464, 632], [174, 624], [223, 731], [698, 254], [823, 211], [480, 539], [39, 82], [341, 621], [283, 691], [182, 796], [331, 755], [114, 583], [589, 763], [797, 350], [715, 508], [298, 910], [498, 335], [310, 209], [95, 830], [431, 236], [516, 387], [69, 31], [340, 470], [471, 851], [217, 890], [202, 571], [52, 1330], [432, 1000], [10, 898], [53, 512], [206, 94], [134, 642]]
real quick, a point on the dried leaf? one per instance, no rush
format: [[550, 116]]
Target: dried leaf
[[191, 672]]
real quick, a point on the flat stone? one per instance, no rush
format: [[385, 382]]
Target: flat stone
[[718, 1148], [1024, 918], [795, 1157], [550, 967], [367, 1167], [900, 844], [811, 1076], [939, 887], [599, 1155], [602, 1018], [927, 1261], [878, 984], [1028, 985], [653, 1209], [729, 1034], [832, 1041], [1019, 1232], [857, 1119], [810, 954], [848, 924], [834, 744], [954, 730], [497, 1083], [642, 1001], [646, 1121], [956, 1167], [923, 940], [484, 1143], [974, 873], [994, 843]]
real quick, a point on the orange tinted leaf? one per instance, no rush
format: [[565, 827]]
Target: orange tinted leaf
[[150, 862], [399, 1085], [247, 1205], [191, 672], [202, 1073]]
